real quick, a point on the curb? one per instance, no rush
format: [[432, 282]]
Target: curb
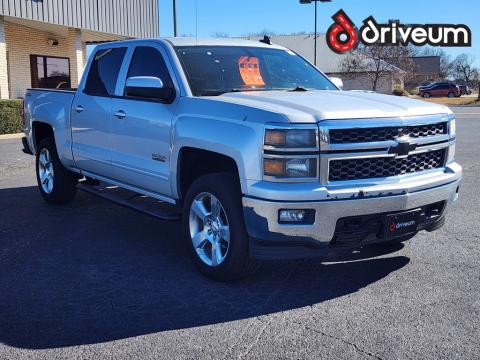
[[12, 136]]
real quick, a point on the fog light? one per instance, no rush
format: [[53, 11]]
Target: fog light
[[288, 216]]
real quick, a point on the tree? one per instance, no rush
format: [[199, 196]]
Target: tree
[[378, 61], [465, 71], [219, 34]]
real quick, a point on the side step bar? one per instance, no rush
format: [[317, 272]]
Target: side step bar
[[132, 200]]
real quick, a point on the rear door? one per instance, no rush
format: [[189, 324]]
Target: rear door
[[435, 90], [141, 131], [443, 90], [91, 112]]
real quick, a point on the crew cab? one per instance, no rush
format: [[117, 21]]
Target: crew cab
[[257, 151]]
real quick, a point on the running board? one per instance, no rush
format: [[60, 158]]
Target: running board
[[132, 200]]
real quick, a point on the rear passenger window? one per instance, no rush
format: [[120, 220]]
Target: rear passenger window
[[104, 70], [148, 61]]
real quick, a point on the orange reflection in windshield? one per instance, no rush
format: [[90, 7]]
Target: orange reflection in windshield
[[249, 67]]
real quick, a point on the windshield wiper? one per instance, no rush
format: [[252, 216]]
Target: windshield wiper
[[219, 92], [235, 90], [299, 88]]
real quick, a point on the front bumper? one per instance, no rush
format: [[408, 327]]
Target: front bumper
[[297, 241]]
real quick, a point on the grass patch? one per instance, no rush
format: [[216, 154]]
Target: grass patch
[[470, 101], [11, 120]]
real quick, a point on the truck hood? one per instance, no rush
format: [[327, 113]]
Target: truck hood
[[315, 106]]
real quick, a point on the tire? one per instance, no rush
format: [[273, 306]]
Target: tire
[[217, 240], [427, 95], [469, 92], [56, 184], [451, 95]]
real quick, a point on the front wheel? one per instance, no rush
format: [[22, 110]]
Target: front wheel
[[214, 228], [426, 95], [56, 184], [451, 95]]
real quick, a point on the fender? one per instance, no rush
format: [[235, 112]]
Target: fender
[[54, 110], [233, 130]]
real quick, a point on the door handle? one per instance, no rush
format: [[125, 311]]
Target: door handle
[[79, 108], [120, 114]]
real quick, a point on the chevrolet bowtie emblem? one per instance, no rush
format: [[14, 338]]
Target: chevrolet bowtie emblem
[[403, 147]]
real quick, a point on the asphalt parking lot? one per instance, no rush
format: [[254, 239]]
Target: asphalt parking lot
[[93, 279]]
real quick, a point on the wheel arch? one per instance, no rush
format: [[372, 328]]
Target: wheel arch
[[193, 162], [40, 131]]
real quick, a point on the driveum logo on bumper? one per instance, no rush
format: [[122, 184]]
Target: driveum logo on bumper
[[396, 226], [343, 36]]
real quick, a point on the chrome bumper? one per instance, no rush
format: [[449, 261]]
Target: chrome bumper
[[261, 216]]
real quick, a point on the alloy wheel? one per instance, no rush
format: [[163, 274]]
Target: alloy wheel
[[45, 170], [209, 229]]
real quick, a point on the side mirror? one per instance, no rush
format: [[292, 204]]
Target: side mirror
[[337, 82], [149, 87]]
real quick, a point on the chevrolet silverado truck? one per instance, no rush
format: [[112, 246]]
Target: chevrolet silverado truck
[[257, 151]]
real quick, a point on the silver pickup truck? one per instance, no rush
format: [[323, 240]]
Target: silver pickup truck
[[259, 153]]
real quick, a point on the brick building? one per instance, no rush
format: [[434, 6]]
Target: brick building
[[427, 69], [43, 42]]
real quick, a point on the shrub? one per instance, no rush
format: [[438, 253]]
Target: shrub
[[11, 120], [399, 91]]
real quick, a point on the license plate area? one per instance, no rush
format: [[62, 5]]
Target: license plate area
[[403, 223]]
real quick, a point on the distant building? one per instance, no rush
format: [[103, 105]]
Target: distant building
[[331, 63], [427, 69], [43, 42]]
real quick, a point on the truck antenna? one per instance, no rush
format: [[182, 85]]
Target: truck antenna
[[266, 40]]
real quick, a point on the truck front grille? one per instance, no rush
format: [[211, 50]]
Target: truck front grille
[[361, 135], [366, 168]]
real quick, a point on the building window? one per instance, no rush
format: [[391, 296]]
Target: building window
[[50, 72]]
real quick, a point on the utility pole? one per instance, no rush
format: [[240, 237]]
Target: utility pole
[[175, 18], [315, 46], [316, 32]]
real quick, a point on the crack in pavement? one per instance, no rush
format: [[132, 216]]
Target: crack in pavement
[[355, 346], [260, 332]]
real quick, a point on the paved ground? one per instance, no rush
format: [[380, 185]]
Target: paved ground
[[95, 280]]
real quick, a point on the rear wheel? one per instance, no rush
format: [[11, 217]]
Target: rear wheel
[[426, 95], [214, 228], [56, 184]]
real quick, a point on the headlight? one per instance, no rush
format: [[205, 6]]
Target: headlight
[[298, 138], [453, 128], [290, 168], [453, 133], [451, 153]]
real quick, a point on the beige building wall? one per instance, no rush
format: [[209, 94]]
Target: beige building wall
[[362, 81], [21, 42], [4, 88]]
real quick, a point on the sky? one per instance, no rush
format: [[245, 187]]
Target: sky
[[243, 17]]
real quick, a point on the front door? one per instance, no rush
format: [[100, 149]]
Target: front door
[[141, 129], [91, 113]]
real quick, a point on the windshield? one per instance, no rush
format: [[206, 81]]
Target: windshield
[[214, 70]]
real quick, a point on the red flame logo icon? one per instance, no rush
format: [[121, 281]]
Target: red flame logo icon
[[392, 227], [342, 36]]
